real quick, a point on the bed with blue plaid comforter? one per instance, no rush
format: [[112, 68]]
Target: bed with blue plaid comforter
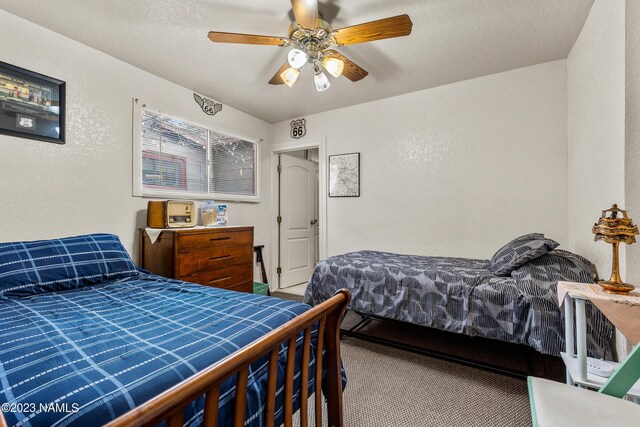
[[83, 353]]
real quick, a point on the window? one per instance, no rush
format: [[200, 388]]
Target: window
[[167, 172], [178, 158]]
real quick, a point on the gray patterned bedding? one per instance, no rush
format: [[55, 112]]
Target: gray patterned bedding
[[464, 296]]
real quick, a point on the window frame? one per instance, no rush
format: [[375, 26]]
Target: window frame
[[140, 191]]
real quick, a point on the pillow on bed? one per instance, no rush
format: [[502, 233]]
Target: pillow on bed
[[555, 266], [519, 251], [28, 268]]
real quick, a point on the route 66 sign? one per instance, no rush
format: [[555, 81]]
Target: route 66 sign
[[298, 128], [25, 122], [208, 106]]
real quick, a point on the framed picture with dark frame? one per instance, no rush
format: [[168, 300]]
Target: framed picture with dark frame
[[344, 175], [32, 105]]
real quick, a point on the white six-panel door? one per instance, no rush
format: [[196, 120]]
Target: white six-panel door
[[298, 229]]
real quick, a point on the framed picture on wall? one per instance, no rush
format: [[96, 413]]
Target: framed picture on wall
[[344, 175], [31, 104]]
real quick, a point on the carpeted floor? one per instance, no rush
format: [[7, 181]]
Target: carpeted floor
[[394, 388], [389, 387]]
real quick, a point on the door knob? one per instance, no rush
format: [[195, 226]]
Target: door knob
[[314, 221]]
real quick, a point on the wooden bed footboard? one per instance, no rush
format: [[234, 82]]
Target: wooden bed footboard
[[169, 405]]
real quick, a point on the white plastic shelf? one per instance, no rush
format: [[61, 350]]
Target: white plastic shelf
[[593, 381]]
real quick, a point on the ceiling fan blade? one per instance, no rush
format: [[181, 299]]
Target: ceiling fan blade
[[220, 37], [306, 13], [352, 71], [397, 26], [277, 79]]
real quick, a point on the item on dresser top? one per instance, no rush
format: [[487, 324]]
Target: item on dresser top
[[222, 218], [171, 214], [209, 213], [219, 257]]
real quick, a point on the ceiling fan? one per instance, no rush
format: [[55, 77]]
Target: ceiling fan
[[313, 40]]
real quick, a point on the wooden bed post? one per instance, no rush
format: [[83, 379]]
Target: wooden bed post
[[334, 365]]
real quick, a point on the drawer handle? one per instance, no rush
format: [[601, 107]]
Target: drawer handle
[[222, 279], [219, 238], [220, 257]]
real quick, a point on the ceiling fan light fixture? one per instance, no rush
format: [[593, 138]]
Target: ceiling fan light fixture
[[322, 81], [334, 66], [290, 75], [297, 58]]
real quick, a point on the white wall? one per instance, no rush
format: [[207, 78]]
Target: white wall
[[596, 127], [457, 170], [85, 186], [632, 155]]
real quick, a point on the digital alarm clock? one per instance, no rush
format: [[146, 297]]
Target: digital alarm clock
[[171, 214]]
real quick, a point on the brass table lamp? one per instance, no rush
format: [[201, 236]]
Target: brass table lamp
[[615, 230]]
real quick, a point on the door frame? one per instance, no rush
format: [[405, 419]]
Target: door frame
[[284, 147]]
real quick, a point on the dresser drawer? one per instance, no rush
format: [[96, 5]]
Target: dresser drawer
[[242, 287], [213, 258], [223, 278], [196, 242]]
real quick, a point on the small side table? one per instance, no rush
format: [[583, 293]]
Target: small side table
[[574, 296]]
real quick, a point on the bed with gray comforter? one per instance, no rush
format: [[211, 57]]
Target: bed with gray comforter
[[464, 296]]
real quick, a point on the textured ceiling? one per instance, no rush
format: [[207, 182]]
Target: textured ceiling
[[452, 40]]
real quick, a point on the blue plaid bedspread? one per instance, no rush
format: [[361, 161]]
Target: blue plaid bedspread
[[85, 356]]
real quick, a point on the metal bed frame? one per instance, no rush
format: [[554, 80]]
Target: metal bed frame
[[366, 319]]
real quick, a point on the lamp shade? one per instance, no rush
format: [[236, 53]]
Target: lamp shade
[[334, 66], [297, 58], [322, 82], [615, 229], [290, 75]]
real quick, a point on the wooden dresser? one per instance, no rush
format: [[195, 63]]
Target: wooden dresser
[[219, 257]]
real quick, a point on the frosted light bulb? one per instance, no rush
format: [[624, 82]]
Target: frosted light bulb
[[322, 81], [289, 76], [297, 58], [334, 66]]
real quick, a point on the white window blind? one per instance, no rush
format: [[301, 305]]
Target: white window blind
[[232, 165], [182, 157]]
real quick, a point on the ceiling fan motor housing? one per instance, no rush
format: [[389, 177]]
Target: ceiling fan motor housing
[[312, 42]]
